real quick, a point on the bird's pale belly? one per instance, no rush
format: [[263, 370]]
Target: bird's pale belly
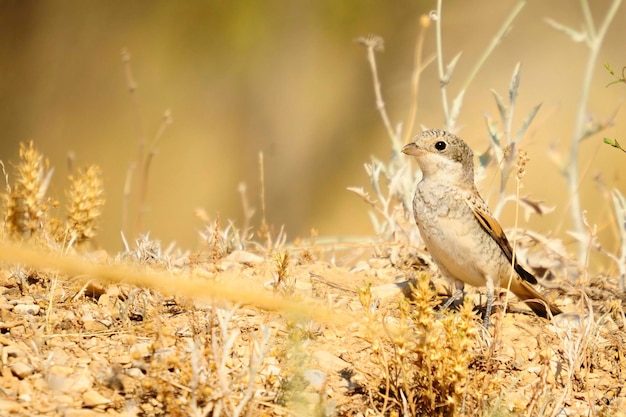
[[459, 248]]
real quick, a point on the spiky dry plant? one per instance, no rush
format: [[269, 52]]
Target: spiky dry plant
[[85, 203], [424, 364], [283, 282], [25, 204]]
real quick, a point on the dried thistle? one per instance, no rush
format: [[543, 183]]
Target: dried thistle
[[85, 202], [25, 204]]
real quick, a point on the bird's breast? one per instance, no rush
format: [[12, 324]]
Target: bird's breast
[[453, 236]]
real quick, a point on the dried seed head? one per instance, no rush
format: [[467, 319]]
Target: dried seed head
[[522, 159], [85, 202], [25, 204]]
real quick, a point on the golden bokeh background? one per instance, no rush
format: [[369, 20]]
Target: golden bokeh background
[[286, 78]]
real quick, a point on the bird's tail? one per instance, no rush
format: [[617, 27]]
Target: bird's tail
[[537, 302]]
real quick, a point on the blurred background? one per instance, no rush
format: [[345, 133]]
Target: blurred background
[[287, 78]]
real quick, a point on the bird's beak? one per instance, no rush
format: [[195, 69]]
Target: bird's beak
[[411, 149]]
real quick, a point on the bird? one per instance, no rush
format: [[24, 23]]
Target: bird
[[464, 239]]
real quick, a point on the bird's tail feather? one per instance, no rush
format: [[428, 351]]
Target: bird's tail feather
[[537, 302]]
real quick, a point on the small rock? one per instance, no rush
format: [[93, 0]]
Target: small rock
[[121, 359], [392, 290], [244, 257], [25, 390], [9, 406], [91, 325], [83, 381], [58, 378], [21, 369], [106, 301], [315, 378], [328, 361], [82, 413], [11, 351], [360, 267], [58, 356], [93, 398], [378, 263], [141, 350], [27, 299], [134, 373], [24, 309], [64, 399]]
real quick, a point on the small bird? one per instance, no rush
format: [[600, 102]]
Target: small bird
[[464, 239]]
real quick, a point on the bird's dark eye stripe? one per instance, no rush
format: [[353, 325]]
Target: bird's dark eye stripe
[[440, 146]]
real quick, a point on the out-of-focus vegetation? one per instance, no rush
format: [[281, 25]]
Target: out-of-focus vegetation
[[287, 79]]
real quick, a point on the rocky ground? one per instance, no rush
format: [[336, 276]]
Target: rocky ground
[[77, 344]]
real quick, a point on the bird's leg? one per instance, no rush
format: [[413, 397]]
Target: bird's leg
[[460, 292], [490, 296]]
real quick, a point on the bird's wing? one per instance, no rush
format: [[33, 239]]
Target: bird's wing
[[493, 229]]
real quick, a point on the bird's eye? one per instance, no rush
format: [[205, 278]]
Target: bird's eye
[[440, 146]]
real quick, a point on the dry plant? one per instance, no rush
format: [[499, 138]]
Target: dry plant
[[505, 144], [140, 170], [619, 79], [584, 126], [393, 182], [85, 203], [222, 241], [451, 114], [265, 232], [27, 207], [148, 251], [212, 378], [283, 281], [296, 393], [423, 364], [619, 207]]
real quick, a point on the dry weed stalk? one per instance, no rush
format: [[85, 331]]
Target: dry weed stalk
[[424, 362], [393, 182], [145, 154]]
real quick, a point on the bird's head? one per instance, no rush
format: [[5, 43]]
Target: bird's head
[[442, 155]]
